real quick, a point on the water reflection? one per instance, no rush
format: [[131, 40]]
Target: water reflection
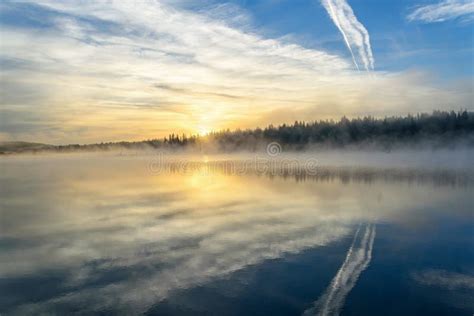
[[357, 260], [300, 172], [107, 235]]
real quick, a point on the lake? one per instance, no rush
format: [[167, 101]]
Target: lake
[[124, 236]]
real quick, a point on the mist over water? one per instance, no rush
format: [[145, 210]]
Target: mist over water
[[109, 234]]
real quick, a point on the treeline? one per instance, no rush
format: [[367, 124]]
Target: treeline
[[439, 129], [436, 129]]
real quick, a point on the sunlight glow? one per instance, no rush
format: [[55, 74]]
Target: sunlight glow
[[203, 130]]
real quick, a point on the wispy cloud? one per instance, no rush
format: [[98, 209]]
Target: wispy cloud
[[442, 11], [105, 55], [354, 33], [104, 71]]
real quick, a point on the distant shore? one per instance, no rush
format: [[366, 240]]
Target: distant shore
[[436, 130]]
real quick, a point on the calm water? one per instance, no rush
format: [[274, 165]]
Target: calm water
[[89, 235]]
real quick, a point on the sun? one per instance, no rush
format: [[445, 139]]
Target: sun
[[203, 130]]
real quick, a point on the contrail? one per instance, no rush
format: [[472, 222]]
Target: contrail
[[336, 21], [353, 32], [357, 260]]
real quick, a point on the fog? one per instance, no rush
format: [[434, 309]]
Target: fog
[[459, 158]]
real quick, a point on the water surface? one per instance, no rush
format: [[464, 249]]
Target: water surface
[[109, 235]]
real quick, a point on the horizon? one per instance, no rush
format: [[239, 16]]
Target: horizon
[[211, 135]]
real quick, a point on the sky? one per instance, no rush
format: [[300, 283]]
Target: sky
[[97, 71]]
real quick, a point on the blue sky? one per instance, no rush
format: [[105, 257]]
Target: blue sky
[[444, 48], [124, 70]]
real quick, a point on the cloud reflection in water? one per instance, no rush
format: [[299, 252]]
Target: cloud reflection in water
[[118, 238]]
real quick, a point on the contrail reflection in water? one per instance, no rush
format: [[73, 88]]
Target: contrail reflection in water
[[357, 260]]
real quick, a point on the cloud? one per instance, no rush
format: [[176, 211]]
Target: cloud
[[353, 32], [121, 70], [443, 11]]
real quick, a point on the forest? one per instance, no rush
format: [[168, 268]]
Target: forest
[[438, 129]]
